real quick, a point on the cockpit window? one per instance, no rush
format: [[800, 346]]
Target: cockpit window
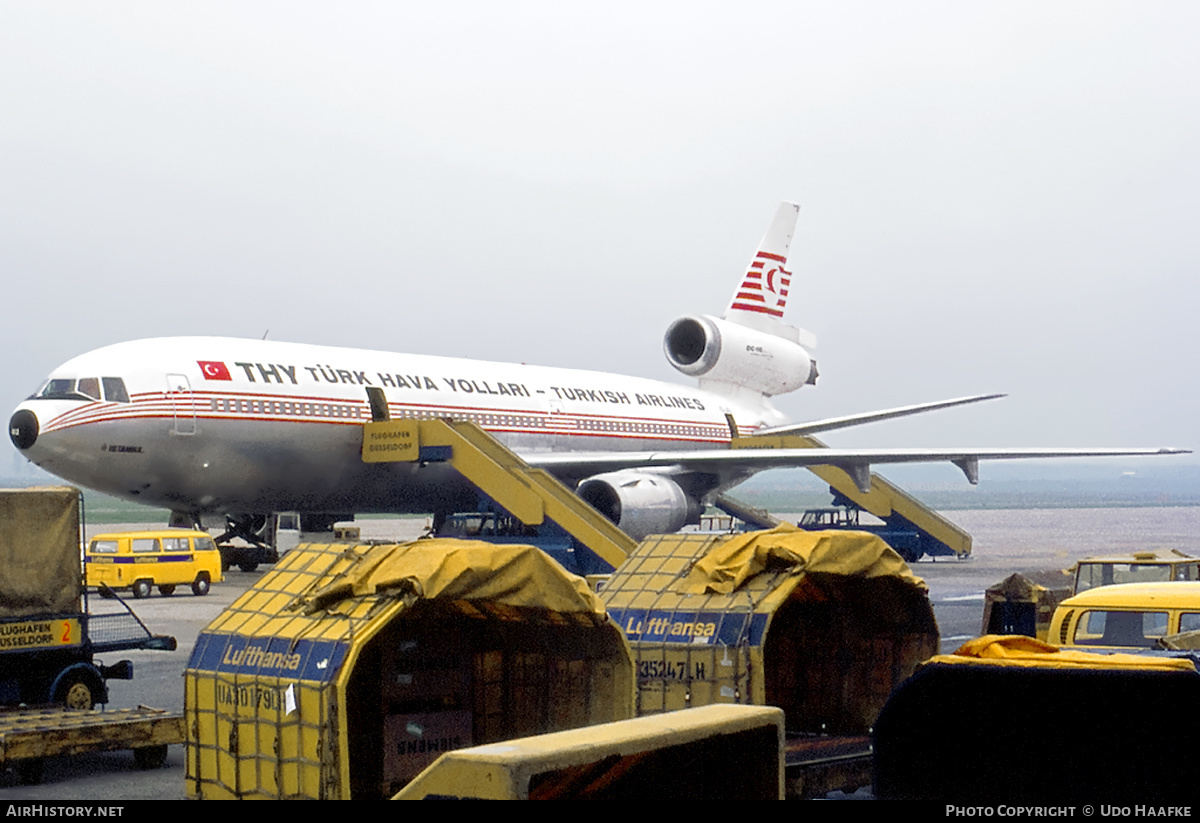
[[86, 388], [57, 388], [89, 386], [61, 389], [114, 390]]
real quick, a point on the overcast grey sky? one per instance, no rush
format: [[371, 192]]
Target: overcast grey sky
[[995, 196]]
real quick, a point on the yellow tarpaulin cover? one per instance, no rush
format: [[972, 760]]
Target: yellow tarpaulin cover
[[848, 553], [1019, 650], [513, 575]]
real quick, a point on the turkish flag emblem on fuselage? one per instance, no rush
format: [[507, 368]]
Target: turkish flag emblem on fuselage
[[214, 370]]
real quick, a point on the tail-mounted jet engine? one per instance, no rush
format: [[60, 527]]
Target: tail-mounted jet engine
[[718, 351], [640, 503]]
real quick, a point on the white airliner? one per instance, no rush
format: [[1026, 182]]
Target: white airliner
[[211, 426]]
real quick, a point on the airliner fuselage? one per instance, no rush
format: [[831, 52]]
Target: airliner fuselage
[[213, 425]]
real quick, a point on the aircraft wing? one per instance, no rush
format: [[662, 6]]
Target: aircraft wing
[[831, 423], [855, 462]]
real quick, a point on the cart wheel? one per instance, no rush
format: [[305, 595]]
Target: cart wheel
[[167, 591], [29, 771], [75, 692], [200, 585], [141, 588], [247, 565], [150, 757]]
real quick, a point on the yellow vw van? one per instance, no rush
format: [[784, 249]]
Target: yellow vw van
[[1126, 615], [139, 561]]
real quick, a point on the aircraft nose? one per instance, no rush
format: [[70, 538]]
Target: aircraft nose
[[23, 429]]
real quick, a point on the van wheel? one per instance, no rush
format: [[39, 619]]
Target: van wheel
[[247, 565], [201, 585], [167, 590], [141, 588]]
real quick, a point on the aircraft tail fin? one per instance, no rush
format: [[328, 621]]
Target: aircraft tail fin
[[763, 292]]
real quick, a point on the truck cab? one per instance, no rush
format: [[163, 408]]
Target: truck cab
[[1139, 567]]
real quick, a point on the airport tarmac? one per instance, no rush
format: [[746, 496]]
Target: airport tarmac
[[1004, 541]]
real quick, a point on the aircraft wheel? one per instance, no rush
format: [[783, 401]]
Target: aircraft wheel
[[201, 585], [75, 692], [141, 588], [167, 590]]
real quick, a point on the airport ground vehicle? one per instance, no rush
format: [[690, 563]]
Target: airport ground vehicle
[[1139, 567], [250, 541], [1127, 615], [48, 636], [139, 561]]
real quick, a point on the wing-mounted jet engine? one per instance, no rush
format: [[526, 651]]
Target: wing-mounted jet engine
[[641, 503]]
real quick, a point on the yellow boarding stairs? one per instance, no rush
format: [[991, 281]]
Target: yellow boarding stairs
[[531, 495], [885, 500]]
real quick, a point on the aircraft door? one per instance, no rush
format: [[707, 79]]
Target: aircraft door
[[183, 404]]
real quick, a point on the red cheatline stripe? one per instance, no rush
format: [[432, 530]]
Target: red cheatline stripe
[[770, 256]]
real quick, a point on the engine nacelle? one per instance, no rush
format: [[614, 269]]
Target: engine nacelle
[[719, 351], [640, 503]]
